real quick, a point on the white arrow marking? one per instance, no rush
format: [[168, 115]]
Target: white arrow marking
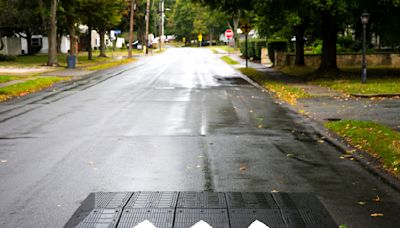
[[145, 224], [258, 224], [201, 224]]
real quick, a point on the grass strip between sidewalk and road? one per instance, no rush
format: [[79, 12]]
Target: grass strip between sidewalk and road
[[31, 86], [283, 91], [7, 78], [381, 142], [229, 61], [107, 65], [381, 80], [354, 86]]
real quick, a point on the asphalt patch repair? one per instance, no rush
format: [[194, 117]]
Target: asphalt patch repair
[[184, 209]]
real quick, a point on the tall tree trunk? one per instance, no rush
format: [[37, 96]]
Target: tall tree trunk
[[329, 37], [72, 40], [29, 43], [211, 37], [52, 55], [90, 53], [299, 30], [1, 42], [147, 26], [131, 25], [59, 42], [102, 43]]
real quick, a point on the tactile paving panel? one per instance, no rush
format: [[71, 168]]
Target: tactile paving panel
[[240, 218], [153, 200], [201, 200], [161, 218], [217, 218], [111, 199], [303, 210], [184, 209], [250, 200], [101, 218]]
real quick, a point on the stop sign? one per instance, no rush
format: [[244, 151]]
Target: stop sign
[[229, 34]]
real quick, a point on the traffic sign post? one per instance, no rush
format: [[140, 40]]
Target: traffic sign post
[[246, 29], [200, 38]]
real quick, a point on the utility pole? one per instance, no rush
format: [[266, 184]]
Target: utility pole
[[162, 25], [147, 26], [131, 24]]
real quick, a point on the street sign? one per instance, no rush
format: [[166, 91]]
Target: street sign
[[200, 37], [245, 27], [117, 32], [228, 34]]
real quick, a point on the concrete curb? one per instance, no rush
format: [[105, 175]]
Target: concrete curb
[[375, 95], [366, 160]]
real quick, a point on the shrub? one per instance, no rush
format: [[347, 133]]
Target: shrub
[[7, 58], [276, 45], [253, 48]]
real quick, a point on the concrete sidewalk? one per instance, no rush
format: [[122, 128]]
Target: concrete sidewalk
[[327, 105]]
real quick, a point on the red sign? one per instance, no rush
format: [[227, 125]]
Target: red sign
[[229, 34]]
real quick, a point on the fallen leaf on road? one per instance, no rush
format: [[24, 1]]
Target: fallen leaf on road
[[361, 203], [377, 199], [321, 141], [274, 190], [242, 168], [260, 126], [289, 155], [376, 215]]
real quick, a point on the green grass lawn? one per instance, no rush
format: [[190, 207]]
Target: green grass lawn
[[228, 60], [23, 88], [226, 48], [380, 80], [41, 59], [106, 65], [7, 78], [283, 91], [354, 86], [381, 142]]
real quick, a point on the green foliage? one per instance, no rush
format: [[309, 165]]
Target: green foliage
[[6, 78], [229, 60], [23, 88], [254, 47], [7, 58], [283, 91], [276, 45], [381, 142], [354, 86]]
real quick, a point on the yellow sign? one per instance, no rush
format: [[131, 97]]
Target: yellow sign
[[245, 27], [184, 40], [200, 37]]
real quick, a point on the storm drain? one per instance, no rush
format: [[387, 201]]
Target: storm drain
[[185, 209]]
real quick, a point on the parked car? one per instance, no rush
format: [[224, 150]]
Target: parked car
[[136, 45]]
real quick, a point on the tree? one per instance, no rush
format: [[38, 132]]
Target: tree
[[236, 8], [70, 17], [52, 34]]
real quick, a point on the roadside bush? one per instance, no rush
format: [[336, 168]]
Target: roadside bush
[[276, 45], [7, 58], [253, 48]]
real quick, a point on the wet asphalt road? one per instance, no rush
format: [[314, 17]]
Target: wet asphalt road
[[180, 121]]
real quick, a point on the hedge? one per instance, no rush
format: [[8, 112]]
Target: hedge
[[254, 47]]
